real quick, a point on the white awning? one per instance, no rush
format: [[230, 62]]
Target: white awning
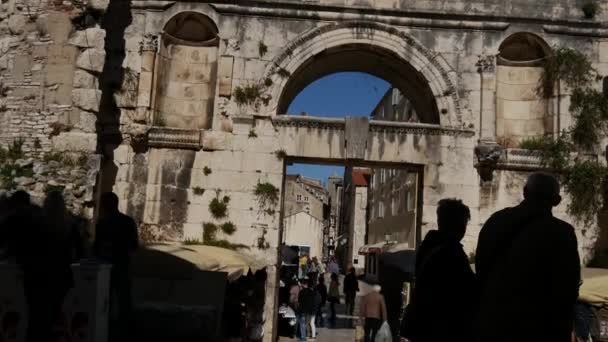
[[373, 248]]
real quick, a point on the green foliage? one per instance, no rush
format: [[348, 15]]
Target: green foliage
[[209, 232], [15, 150], [206, 171], [228, 228], [247, 95], [58, 127], [568, 65], [583, 181], [591, 8], [219, 208], [262, 49], [533, 143], [267, 195], [589, 108], [280, 154], [198, 191], [252, 133]]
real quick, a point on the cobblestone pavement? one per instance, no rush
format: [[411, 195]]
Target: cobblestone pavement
[[344, 330]]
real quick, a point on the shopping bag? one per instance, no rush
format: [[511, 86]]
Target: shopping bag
[[384, 334], [359, 333]]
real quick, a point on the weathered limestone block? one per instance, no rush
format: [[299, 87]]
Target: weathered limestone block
[[98, 5], [603, 52], [16, 23], [75, 142], [90, 38], [87, 99], [216, 141], [91, 60], [87, 122], [84, 79], [57, 25]]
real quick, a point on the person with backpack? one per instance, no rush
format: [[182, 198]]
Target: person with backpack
[[528, 267], [443, 300]]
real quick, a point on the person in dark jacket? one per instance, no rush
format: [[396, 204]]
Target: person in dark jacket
[[322, 290], [115, 240], [306, 309], [528, 267], [351, 287], [444, 295]]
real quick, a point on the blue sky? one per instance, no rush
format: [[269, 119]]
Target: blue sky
[[336, 95]]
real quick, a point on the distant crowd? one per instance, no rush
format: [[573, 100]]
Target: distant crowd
[[45, 241]]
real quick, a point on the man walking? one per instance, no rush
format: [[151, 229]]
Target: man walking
[[373, 310], [529, 269], [442, 303], [351, 287], [115, 240]]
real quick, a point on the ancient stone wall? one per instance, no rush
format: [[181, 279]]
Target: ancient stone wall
[[51, 54]]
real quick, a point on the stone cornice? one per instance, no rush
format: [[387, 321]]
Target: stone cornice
[[577, 31], [375, 126], [174, 138], [308, 122], [519, 159]]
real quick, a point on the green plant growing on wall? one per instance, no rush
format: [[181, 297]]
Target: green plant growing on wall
[[198, 191], [280, 154], [15, 149], [262, 243], [591, 8], [267, 195], [83, 160], [537, 143], [209, 232], [252, 133], [219, 208], [247, 95], [228, 228], [206, 171], [568, 155], [58, 127], [262, 49]]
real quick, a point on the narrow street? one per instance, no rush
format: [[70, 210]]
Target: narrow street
[[344, 330]]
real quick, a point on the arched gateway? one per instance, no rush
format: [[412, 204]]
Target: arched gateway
[[110, 97]]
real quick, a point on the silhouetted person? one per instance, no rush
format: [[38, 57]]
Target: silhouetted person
[[47, 266], [351, 287], [529, 269], [322, 290], [115, 240], [442, 304], [373, 310]]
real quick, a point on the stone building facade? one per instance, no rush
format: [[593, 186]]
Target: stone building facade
[[176, 103]]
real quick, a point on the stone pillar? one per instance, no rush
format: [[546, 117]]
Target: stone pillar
[[487, 72], [89, 302], [148, 48]]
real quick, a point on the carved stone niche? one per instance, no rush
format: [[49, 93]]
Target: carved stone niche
[[186, 73]]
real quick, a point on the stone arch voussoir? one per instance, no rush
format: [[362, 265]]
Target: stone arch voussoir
[[433, 67]]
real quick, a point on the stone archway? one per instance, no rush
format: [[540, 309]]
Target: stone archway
[[369, 47]]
